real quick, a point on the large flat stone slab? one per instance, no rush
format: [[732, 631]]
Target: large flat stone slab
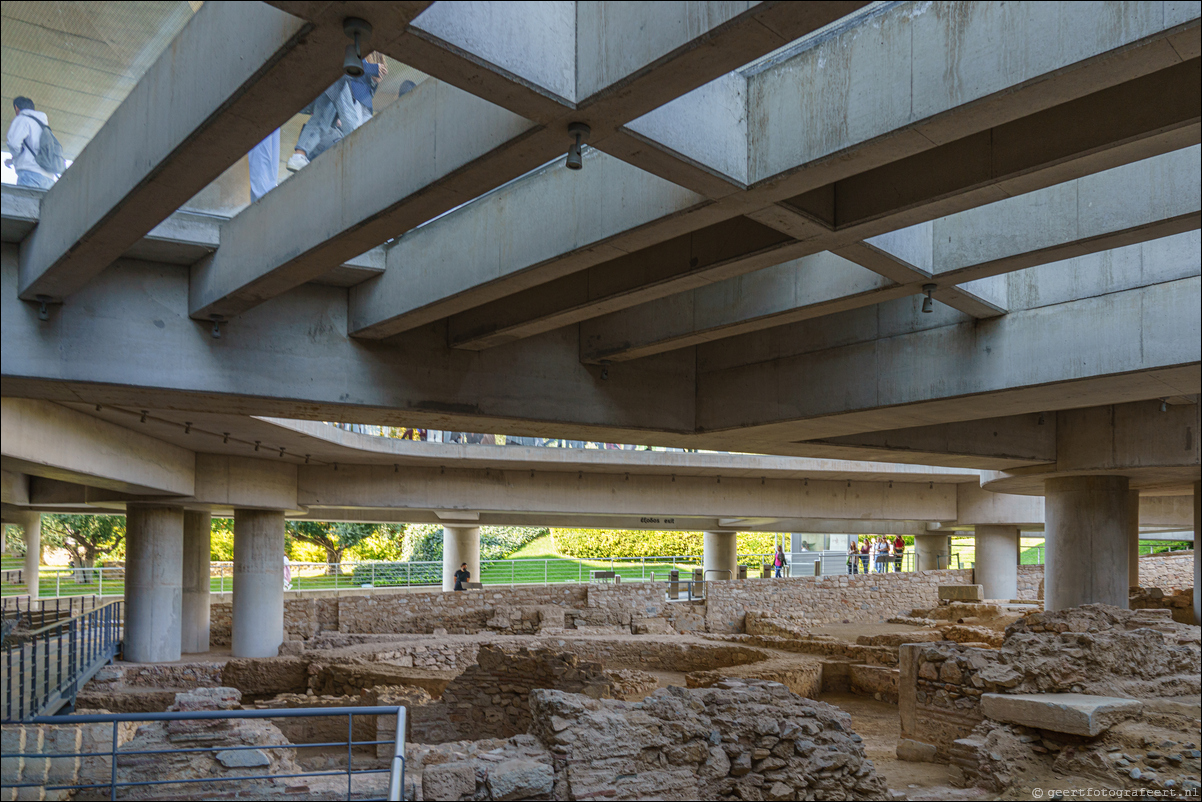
[[1074, 713], [961, 592]]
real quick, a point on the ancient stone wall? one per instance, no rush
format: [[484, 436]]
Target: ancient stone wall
[[1179, 603], [1029, 579], [1168, 572], [600, 606], [827, 599], [492, 698], [1094, 649]]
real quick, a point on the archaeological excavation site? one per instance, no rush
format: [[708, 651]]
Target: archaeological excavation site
[[596, 400], [897, 686]]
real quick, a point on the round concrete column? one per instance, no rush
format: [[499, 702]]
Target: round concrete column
[[721, 555], [31, 524], [996, 567], [932, 552], [1133, 538], [154, 552], [460, 544], [198, 528], [258, 626], [1087, 541]]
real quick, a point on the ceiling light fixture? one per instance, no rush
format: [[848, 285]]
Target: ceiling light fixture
[[928, 305], [575, 158], [217, 321], [352, 61]]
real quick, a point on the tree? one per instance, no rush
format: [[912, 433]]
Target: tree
[[335, 538], [87, 537]]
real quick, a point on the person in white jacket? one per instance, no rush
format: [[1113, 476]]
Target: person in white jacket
[[23, 138]]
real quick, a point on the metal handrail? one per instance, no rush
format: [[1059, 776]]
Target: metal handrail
[[726, 571], [396, 770], [77, 646], [378, 573]]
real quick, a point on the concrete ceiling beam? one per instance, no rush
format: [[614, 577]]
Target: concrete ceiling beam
[[872, 367], [427, 153], [966, 255], [292, 358], [524, 491], [188, 119], [987, 165], [48, 440], [522, 57]]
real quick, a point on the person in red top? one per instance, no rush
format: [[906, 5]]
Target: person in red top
[[864, 551], [899, 548]]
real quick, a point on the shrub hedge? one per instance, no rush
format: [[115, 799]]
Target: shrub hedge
[[605, 543], [495, 541]]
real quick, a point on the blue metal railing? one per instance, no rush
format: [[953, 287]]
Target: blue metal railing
[[44, 669], [395, 771]]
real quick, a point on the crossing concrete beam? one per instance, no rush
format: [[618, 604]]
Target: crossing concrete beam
[[189, 118], [48, 440]]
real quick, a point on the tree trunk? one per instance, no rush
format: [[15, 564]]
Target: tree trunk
[[333, 556]]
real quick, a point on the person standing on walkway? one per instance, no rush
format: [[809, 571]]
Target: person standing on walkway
[[462, 577], [778, 560], [336, 103], [853, 558], [899, 550], [864, 548], [264, 162], [24, 139]]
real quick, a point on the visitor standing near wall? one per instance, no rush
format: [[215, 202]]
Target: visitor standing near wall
[[899, 550], [853, 558], [864, 554], [36, 155], [462, 577], [778, 561], [881, 551]]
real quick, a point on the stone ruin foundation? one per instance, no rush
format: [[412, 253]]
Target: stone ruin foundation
[[609, 693]]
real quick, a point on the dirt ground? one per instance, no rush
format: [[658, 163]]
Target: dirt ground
[[879, 725]]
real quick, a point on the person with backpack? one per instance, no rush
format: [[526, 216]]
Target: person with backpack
[[779, 561], [37, 156]]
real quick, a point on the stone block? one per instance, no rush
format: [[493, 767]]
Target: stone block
[[448, 781], [916, 751], [242, 758], [961, 592], [521, 779], [1074, 713]]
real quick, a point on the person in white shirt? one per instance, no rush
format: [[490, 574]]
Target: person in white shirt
[[23, 138]]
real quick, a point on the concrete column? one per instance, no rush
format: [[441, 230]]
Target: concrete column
[[932, 552], [198, 529], [154, 555], [996, 565], [460, 544], [1133, 538], [31, 523], [721, 554], [1087, 541], [258, 626], [1197, 545]]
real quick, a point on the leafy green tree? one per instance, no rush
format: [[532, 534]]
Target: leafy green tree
[[221, 539], [335, 538], [86, 537]]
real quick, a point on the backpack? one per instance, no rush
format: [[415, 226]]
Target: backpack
[[49, 155]]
